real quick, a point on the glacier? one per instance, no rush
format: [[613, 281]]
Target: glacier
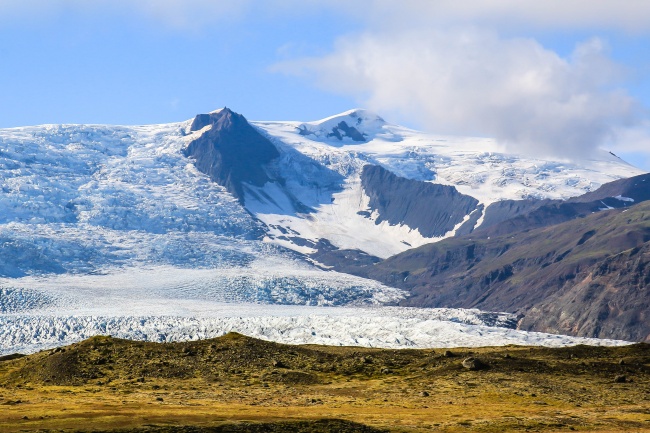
[[384, 327], [112, 229], [165, 304]]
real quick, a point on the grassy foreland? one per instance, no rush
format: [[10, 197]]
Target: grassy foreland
[[239, 384]]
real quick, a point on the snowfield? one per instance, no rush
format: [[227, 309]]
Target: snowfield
[[111, 230]]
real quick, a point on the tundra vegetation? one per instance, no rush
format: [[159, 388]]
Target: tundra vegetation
[[240, 384]]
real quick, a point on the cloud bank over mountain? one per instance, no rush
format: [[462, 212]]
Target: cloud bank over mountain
[[474, 81]]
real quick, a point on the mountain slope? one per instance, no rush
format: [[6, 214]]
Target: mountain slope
[[512, 215], [610, 299], [193, 193], [587, 276], [432, 209], [82, 202]]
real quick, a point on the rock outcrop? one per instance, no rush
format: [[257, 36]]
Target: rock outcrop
[[431, 208], [231, 151]]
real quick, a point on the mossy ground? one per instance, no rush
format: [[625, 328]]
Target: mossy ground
[[236, 383]]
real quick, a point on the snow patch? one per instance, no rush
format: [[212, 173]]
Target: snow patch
[[607, 207]]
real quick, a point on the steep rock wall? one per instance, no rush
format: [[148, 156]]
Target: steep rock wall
[[430, 208]]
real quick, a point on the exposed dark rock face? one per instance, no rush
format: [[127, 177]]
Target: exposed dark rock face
[[343, 260], [511, 216], [589, 276], [468, 226], [344, 130], [232, 152], [504, 210], [430, 208], [340, 131], [610, 299]]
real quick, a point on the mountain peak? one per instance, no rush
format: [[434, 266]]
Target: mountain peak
[[360, 115], [221, 117], [356, 125], [232, 152], [219, 110]]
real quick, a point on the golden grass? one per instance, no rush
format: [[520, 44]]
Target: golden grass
[[524, 389]]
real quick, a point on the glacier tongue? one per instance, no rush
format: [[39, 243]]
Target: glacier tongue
[[171, 304], [77, 198], [376, 327], [170, 290]]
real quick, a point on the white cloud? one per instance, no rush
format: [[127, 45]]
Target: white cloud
[[474, 82], [629, 15], [634, 139]]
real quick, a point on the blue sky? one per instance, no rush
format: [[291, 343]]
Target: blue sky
[[556, 77]]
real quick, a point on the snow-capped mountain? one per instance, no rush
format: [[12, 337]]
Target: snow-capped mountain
[[362, 183], [218, 210], [203, 193]]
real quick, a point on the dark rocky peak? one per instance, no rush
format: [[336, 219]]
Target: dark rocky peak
[[232, 152], [223, 118], [339, 131], [344, 130]]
